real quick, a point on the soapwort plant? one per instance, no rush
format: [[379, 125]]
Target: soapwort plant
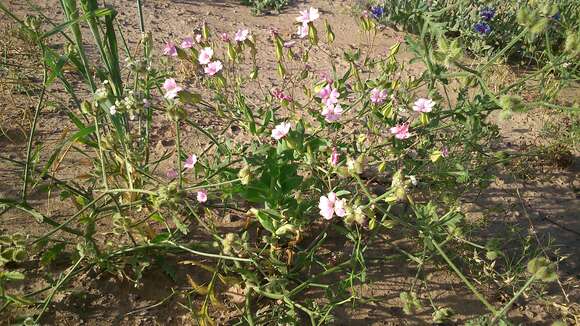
[[325, 156]]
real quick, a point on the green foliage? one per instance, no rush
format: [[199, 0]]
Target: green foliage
[[548, 25], [542, 269], [264, 6]]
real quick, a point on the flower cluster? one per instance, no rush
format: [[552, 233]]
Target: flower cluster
[[487, 13], [482, 28], [211, 67], [377, 12], [306, 17], [329, 97], [205, 55]]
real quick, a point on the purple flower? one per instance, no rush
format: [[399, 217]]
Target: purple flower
[[172, 174], [334, 157], [487, 13], [169, 49], [377, 12], [482, 28], [190, 162]]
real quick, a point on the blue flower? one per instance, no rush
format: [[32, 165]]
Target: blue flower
[[487, 13], [482, 28], [377, 11], [557, 16]]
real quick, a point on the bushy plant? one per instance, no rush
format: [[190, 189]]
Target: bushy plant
[[539, 29], [351, 155], [264, 6]]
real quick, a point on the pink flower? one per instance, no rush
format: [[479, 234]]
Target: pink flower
[[329, 95], [331, 205], [326, 77], [190, 162], [187, 43], [171, 88], [205, 55], [281, 130], [213, 68], [332, 112], [279, 94], [170, 49], [171, 174], [241, 35], [225, 37], [401, 131], [289, 44], [302, 31], [198, 38], [334, 157], [202, 196], [444, 151], [307, 16], [378, 96], [423, 105]]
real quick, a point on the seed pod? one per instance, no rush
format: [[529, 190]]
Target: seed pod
[[279, 45], [572, 44], [329, 33], [281, 70], [232, 53], [254, 73], [86, 107], [312, 34]]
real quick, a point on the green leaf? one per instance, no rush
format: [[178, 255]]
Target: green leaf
[[189, 98], [542, 269], [266, 221], [180, 226], [60, 28], [51, 254], [12, 276], [161, 237]]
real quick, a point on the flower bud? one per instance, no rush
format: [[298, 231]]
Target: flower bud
[[245, 175], [572, 44], [205, 31], [312, 34], [398, 186], [329, 33], [355, 166]]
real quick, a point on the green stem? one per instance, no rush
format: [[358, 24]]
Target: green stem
[[64, 224], [464, 279], [178, 148], [504, 50], [32, 131], [505, 308], [56, 287]]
